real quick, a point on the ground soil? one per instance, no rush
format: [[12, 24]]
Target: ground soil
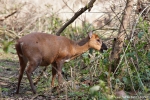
[[9, 70]]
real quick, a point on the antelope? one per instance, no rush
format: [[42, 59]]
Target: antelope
[[42, 49]]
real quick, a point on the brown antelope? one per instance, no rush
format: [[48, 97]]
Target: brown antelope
[[41, 49]]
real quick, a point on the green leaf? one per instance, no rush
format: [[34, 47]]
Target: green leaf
[[106, 73], [148, 56], [6, 45], [105, 61], [102, 83], [94, 88], [85, 55], [5, 89], [140, 35], [125, 79]]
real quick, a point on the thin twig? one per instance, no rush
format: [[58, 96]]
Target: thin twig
[[107, 22], [2, 19], [137, 73]]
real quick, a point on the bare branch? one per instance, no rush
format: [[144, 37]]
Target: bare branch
[[2, 19], [76, 15]]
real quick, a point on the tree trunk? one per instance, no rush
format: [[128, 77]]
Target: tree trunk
[[119, 41]]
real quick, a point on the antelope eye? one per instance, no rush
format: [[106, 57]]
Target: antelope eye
[[98, 40]]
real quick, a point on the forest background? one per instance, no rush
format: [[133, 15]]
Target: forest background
[[123, 71]]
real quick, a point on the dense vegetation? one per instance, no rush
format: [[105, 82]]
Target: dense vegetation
[[85, 77]]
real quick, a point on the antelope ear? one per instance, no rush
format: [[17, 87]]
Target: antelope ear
[[90, 34]]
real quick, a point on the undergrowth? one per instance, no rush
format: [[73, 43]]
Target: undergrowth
[[86, 76]]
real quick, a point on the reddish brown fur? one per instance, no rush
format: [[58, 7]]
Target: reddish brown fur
[[41, 49]]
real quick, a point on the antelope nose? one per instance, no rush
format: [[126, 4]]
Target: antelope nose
[[103, 47]]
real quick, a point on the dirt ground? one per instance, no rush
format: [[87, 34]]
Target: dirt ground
[[9, 69]]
